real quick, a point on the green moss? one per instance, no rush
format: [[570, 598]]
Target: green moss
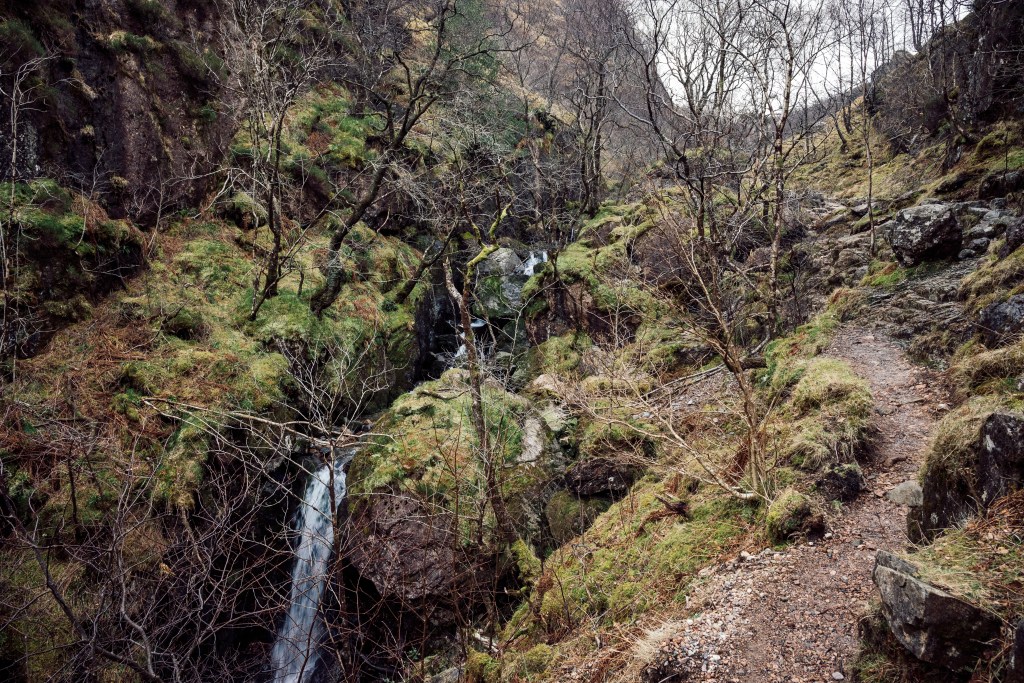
[[977, 370], [788, 515], [828, 381], [150, 12], [19, 40], [527, 563], [786, 357], [651, 559], [568, 516], [828, 416], [125, 41], [481, 668], [628, 600], [629, 434], [185, 323], [180, 472], [558, 355], [884, 275], [993, 281], [536, 660], [428, 448], [978, 564]]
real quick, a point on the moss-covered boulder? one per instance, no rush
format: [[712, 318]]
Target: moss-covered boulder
[[421, 483], [976, 458], [829, 415], [791, 514], [569, 516]]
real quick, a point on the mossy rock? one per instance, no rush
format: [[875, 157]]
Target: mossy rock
[[482, 668], [244, 211], [569, 516], [828, 381], [537, 659], [828, 417], [791, 514], [186, 323]]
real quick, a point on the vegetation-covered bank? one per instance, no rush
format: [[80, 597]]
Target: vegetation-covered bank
[[594, 335]]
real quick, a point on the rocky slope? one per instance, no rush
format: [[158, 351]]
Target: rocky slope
[[157, 428]]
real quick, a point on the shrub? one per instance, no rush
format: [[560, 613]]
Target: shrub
[[18, 39], [149, 12], [123, 41]]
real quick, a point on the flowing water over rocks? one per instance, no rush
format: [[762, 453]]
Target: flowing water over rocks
[[296, 651]]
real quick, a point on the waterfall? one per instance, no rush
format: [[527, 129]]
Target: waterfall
[[533, 261], [296, 650]]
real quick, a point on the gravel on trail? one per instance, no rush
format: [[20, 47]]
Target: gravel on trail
[[792, 615]]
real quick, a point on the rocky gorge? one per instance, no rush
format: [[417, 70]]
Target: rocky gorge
[[452, 341]]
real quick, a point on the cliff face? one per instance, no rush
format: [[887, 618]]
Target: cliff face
[[966, 76], [127, 104]]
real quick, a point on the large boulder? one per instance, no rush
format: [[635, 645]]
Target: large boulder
[[793, 514], [998, 323], [1000, 184], [501, 261], [1001, 456], [417, 500], [960, 479], [929, 231], [1014, 238], [933, 625], [405, 550]]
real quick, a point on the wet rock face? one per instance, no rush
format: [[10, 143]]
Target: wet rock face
[[999, 322], [929, 231], [933, 625], [131, 115]]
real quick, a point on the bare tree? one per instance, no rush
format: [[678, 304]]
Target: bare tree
[[275, 59], [21, 85], [401, 80]]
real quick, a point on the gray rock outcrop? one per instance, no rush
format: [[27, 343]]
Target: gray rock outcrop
[[933, 625], [928, 231], [993, 468], [998, 323]]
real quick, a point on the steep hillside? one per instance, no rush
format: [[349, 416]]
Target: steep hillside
[[453, 341]]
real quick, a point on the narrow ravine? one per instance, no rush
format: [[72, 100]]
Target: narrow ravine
[[296, 651], [792, 616]]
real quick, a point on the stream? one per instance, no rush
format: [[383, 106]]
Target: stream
[[296, 650]]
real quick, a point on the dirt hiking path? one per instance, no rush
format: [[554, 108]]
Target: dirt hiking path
[[792, 616]]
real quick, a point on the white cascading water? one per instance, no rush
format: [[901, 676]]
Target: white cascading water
[[296, 651], [533, 261]]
